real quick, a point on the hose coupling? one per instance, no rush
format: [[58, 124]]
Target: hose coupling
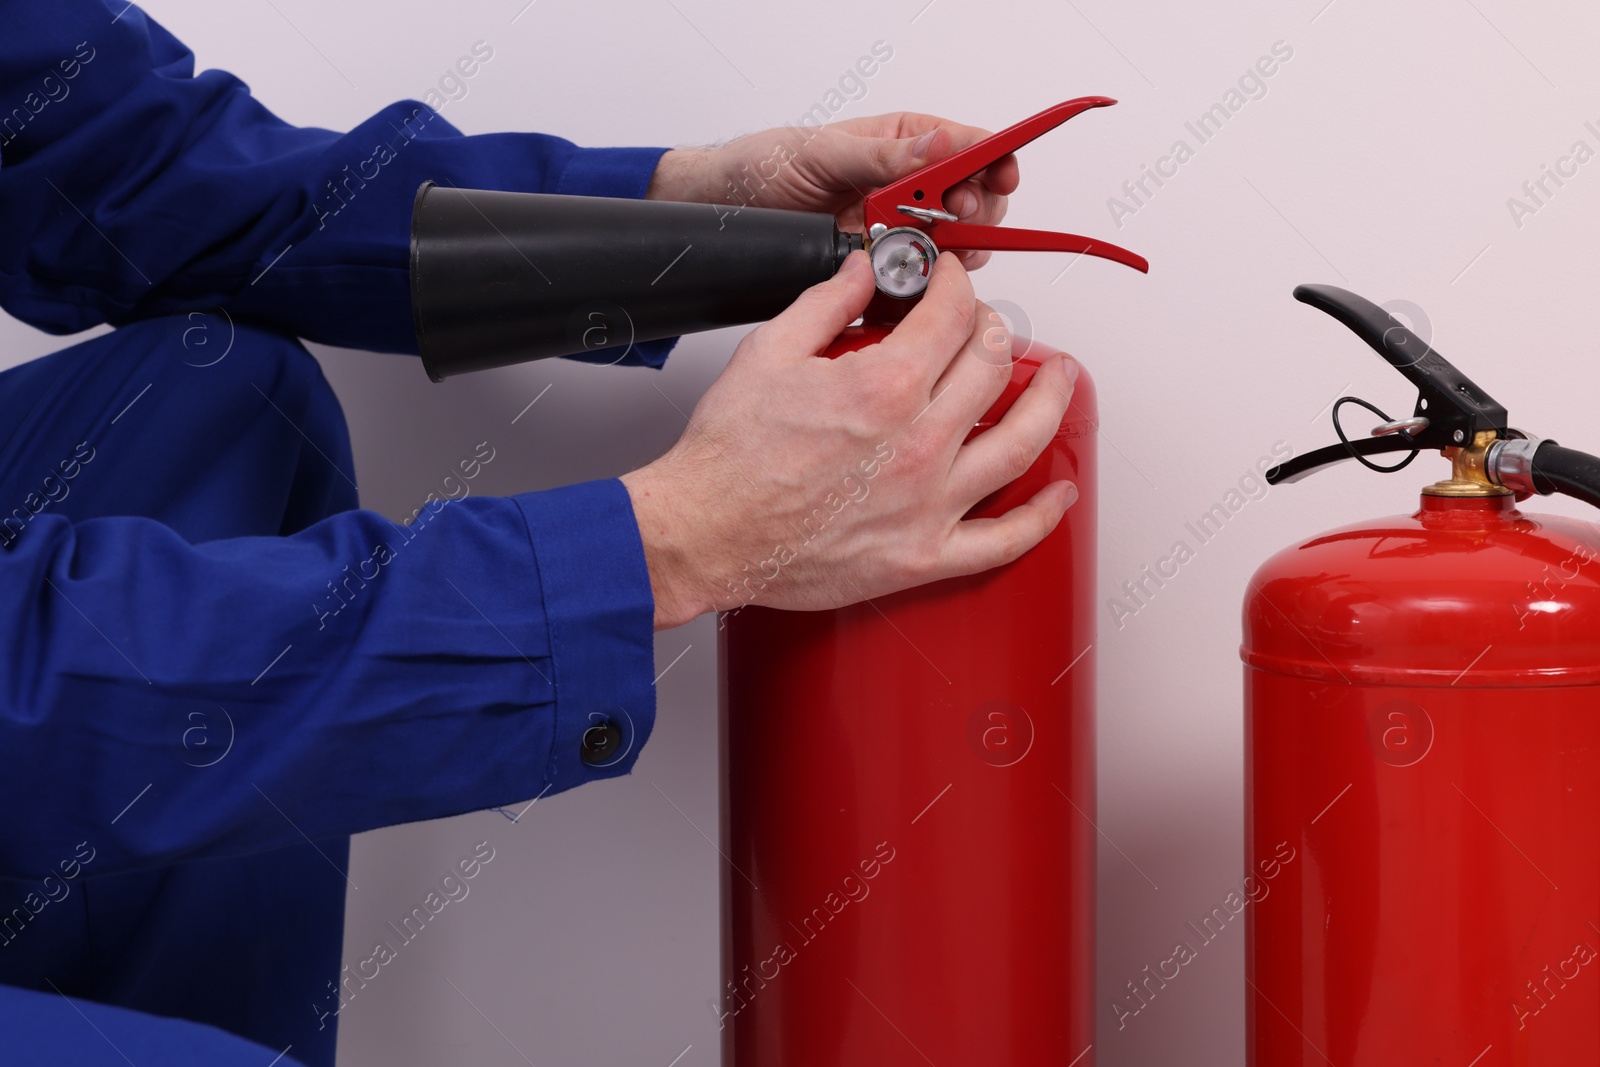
[[1510, 463]]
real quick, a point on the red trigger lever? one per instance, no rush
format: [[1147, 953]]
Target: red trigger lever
[[917, 200]]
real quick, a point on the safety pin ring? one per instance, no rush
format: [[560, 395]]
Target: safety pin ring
[[1411, 426]]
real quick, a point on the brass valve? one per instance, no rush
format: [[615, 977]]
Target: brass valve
[[1469, 475]]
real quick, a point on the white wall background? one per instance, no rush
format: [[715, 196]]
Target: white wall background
[[1381, 158]]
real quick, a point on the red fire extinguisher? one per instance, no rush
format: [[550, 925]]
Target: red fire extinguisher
[[1422, 707], [908, 798]]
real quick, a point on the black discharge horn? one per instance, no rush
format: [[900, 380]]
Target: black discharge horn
[[500, 278]]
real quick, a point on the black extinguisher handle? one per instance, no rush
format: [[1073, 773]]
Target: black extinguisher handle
[[1451, 412], [1298, 467], [1448, 399], [1451, 409]]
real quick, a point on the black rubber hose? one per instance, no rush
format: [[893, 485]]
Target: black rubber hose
[[1566, 470]]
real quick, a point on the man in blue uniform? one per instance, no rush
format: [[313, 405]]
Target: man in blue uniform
[[179, 519]]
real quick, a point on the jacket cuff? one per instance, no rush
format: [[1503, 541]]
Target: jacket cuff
[[600, 614], [620, 172]]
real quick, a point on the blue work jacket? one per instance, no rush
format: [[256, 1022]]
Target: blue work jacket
[[214, 667]]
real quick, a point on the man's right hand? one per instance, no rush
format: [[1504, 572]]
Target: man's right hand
[[814, 483]]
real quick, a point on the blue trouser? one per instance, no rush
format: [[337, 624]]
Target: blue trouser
[[245, 943]]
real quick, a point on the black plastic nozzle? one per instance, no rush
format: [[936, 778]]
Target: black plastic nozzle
[[500, 278]]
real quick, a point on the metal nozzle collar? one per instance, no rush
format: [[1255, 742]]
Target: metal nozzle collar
[[1510, 463]]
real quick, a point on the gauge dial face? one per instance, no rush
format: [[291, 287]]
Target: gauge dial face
[[902, 259]]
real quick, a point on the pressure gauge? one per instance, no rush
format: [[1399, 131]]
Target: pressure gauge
[[902, 259]]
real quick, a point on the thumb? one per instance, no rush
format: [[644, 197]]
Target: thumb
[[873, 161], [822, 311]]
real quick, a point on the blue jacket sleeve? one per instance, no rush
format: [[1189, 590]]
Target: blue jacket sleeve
[[179, 701], [130, 187]]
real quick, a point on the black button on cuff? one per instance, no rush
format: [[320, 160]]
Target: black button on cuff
[[600, 744]]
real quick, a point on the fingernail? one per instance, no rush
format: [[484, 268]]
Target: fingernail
[[1070, 495], [924, 143], [1070, 366]]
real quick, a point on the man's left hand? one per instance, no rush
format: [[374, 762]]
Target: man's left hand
[[832, 168]]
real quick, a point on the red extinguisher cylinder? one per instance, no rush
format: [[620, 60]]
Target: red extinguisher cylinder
[[908, 801], [1422, 701]]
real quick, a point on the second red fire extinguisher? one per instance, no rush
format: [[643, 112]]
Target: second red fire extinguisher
[[1422, 706]]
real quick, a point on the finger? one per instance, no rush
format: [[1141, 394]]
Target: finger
[[1002, 176], [885, 148], [890, 124], [909, 124], [972, 201], [982, 209], [959, 136], [865, 163], [807, 326], [1004, 452], [933, 332], [991, 210], [979, 544], [976, 377], [964, 199], [974, 204]]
